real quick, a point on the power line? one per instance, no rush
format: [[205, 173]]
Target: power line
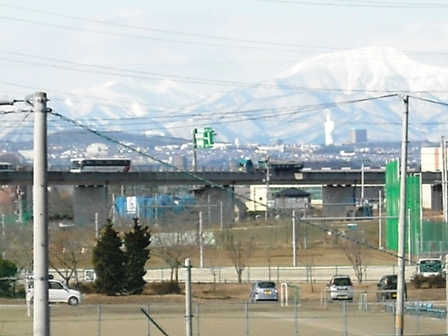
[[115, 24], [156, 76], [365, 4]]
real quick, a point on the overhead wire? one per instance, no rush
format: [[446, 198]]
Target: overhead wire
[[105, 70], [206, 182], [365, 4]]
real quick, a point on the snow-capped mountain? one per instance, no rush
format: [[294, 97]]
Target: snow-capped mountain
[[292, 107]]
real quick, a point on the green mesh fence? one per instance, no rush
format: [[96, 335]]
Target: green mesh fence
[[413, 235], [392, 205]]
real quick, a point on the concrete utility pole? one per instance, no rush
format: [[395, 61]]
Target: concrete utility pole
[[40, 214], [294, 239], [188, 301], [268, 173], [41, 310], [399, 317]]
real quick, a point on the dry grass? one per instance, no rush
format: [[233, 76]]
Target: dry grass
[[240, 292]]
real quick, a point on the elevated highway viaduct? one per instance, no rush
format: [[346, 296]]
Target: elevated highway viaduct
[[339, 187], [221, 178]]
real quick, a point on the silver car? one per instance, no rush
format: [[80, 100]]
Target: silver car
[[57, 292], [263, 291], [340, 288]]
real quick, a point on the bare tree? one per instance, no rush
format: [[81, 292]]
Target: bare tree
[[308, 261], [19, 247], [174, 247], [212, 267], [67, 249], [239, 248], [352, 244]]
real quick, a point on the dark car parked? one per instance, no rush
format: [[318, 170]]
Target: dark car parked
[[387, 288]]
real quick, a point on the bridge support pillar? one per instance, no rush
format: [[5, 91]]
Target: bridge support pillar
[[336, 199], [89, 201]]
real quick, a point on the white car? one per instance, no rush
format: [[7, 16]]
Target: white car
[[57, 292], [340, 288]]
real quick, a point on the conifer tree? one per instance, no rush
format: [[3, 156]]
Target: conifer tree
[[108, 261], [137, 243], [7, 270]]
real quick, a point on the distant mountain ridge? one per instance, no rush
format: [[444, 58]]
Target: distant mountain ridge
[[291, 107]]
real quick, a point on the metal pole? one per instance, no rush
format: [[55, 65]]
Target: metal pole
[[444, 181], [209, 210], [40, 215], [362, 182], [194, 151], [421, 219], [296, 320], [113, 209], [96, 226], [188, 315], [197, 319], [246, 315], [399, 318], [3, 237], [344, 308], [266, 215], [409, 237], [446, 292], [380, 222], [201, 242], [221, 219], [148, 325], [294, 239]]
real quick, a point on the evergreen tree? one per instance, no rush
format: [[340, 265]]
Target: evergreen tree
[[7, 270], [137, 254], [108, 261]]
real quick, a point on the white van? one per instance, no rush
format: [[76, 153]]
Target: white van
[[57, 292]]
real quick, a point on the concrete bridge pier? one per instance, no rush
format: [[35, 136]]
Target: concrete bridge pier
[[341, 200], [89, 201]]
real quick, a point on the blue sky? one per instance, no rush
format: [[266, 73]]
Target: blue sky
[[47, 45]]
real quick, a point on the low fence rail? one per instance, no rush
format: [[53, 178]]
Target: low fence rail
[[250, 274]]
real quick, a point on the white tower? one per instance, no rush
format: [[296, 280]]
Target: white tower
[[329, 127]]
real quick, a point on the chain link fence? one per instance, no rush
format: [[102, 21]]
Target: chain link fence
[[295, 317]]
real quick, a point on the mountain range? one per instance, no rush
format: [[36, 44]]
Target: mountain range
[[358, 89]]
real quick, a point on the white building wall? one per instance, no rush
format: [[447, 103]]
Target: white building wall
[[431, 159], [426, 196]]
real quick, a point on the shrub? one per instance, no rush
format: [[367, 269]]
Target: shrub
[[435, 281], [85, 287], [164, 287], [417, 281]]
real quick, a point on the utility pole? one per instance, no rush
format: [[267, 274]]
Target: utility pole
[[399, 317], [294, 239], [41, 310], [444, 181], [40, 215], [266, 214], [201, 241]]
